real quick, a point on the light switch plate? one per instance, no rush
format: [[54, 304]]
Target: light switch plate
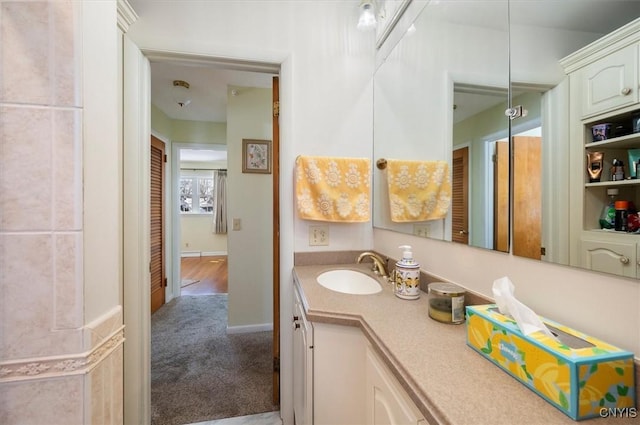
[[237, 224], [318, 235]]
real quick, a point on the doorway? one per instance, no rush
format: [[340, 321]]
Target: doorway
[[180, 245], [136, 295], [202, 222]]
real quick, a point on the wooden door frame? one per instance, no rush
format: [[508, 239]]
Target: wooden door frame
[[275, 152]]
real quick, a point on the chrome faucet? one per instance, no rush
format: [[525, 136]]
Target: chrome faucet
[[379, 266]]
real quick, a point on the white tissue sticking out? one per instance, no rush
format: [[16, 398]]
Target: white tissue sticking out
[[527, 320]]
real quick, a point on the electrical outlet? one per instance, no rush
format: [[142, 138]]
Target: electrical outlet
[[421, 230], [318, 235], [237, 224]]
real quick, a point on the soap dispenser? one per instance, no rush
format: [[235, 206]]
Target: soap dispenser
[[407, 276]]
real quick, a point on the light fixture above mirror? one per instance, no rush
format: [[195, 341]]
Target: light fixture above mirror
[[367, 19]]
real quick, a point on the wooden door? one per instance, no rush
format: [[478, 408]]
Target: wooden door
[[501, 197], [275, 146], [527, 198], [157, 267], [460, 196]]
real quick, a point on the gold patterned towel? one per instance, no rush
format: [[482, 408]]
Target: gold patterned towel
[[418, 190], [333, 189]]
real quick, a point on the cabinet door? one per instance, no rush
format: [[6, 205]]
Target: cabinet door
[[387, 402], [302, 365], [609, 257], [611, 82]]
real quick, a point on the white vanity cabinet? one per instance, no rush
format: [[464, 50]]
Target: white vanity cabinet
[[338, 375], [610, 257], [610, 82], [339, 380], [387, 402], [302, 364]]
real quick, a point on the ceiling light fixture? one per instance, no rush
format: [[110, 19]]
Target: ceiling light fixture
[[180, 93], [367, 18]]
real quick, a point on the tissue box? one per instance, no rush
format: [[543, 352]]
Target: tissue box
[[580, 375]]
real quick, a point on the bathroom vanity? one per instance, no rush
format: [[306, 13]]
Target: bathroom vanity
[[380, 359]]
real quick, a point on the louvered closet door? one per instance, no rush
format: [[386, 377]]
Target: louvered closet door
[[157, 228], [460, 196]]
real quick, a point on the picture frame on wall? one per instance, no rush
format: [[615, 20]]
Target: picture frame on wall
[[256, 156]]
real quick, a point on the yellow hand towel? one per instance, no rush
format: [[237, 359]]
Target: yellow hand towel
[[418, 190], [333, 189]]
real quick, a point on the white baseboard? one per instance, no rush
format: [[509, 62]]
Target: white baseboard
[[213, 253], [250, 328], [202, 253]]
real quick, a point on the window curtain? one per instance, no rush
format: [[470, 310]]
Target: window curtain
[[220, 201]]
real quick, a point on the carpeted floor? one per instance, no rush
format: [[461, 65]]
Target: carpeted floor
[[200, 373]]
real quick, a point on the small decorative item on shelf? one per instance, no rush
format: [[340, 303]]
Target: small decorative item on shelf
[[601, 132], [634, 160], [633, 222], [594, 165], [617, 171]]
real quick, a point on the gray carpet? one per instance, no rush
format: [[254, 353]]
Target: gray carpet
[[200, 373]]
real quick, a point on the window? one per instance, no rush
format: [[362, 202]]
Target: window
[[196, 192]]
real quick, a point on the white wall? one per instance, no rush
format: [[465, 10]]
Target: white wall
[[101, 156], [197, 235]]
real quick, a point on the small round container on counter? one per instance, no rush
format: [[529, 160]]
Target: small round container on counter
[[446, 302]]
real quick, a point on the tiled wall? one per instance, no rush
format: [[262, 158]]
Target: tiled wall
[[53, 367]]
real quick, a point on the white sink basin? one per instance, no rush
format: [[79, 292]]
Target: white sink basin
[[349, 282]]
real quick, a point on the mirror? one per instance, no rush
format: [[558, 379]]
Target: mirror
[[450, 66], [459, 51]]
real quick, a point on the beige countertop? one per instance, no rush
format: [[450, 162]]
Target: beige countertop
[[449, 382]]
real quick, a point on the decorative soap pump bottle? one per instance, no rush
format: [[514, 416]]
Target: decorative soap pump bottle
[[407, 276]]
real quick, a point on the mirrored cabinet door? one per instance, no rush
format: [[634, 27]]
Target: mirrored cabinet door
[[440, 95], [549, 155]]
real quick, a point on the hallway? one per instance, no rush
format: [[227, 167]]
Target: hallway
[[199, 371]]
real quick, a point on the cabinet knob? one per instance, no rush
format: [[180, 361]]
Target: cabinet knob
[[296, 326], [296, 318], [624, 260], [463, 232], [625, 91]]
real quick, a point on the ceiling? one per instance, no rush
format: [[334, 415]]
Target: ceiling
[[207, 89]]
